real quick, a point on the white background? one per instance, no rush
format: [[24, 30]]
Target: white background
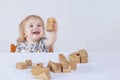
[[90, 24]]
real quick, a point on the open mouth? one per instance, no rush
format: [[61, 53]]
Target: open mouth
[[36, 32]]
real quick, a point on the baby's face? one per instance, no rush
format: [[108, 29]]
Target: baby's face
[[34, 30]]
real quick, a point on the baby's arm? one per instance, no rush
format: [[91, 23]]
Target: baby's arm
[[52, 38]]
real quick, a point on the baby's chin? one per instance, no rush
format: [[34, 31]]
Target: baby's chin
[[36, 39]]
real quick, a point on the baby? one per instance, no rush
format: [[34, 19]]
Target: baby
[[32, 36]]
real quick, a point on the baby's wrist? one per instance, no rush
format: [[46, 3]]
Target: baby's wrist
[[54, 32]]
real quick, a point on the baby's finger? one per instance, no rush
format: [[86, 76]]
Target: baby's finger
[[55, 27]]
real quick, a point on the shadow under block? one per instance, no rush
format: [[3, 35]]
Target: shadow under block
[[54, 67], [65, 64], [21, 65], [41, 73], [50, 24]]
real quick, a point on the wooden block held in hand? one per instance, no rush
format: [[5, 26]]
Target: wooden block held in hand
[[50, 24]]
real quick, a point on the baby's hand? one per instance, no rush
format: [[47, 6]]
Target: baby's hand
[[55, 27]]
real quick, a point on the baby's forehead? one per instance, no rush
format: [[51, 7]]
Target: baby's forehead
[[34, 20]]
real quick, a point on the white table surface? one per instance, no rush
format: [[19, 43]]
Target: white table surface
[[99, 67]]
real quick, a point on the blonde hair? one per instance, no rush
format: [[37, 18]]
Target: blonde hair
[[22, 25]]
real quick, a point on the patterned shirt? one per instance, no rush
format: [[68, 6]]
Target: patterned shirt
[[32, 48]]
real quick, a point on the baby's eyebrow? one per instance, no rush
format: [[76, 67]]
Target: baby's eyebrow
[[39, 23], [31, 23]]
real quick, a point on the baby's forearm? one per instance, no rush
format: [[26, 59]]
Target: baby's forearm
[[51, 39]]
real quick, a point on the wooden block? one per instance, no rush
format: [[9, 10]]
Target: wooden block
[[29, 62], [58, 67], [74, 57], [84, 56], [41, 73], [50, 24], [83, 52], [73, 65], [38, 70], [39, 65], [54, 67], [12, 48], [65, 64], [43, 76], [84, 59], [21, 65]]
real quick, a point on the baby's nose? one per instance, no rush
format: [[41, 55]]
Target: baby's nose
[[35, 27]]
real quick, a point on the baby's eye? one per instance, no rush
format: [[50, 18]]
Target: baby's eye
[[31, 25], [39, 25]]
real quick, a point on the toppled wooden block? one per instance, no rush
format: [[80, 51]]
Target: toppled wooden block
[[36, 70], [21, 65], [83, 51], [73, 65], [80, 56], [50, 24], [83, 55], [29, 62], [65, 64], [41, 73], [42, 76], [54, 67], [74, 57]]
